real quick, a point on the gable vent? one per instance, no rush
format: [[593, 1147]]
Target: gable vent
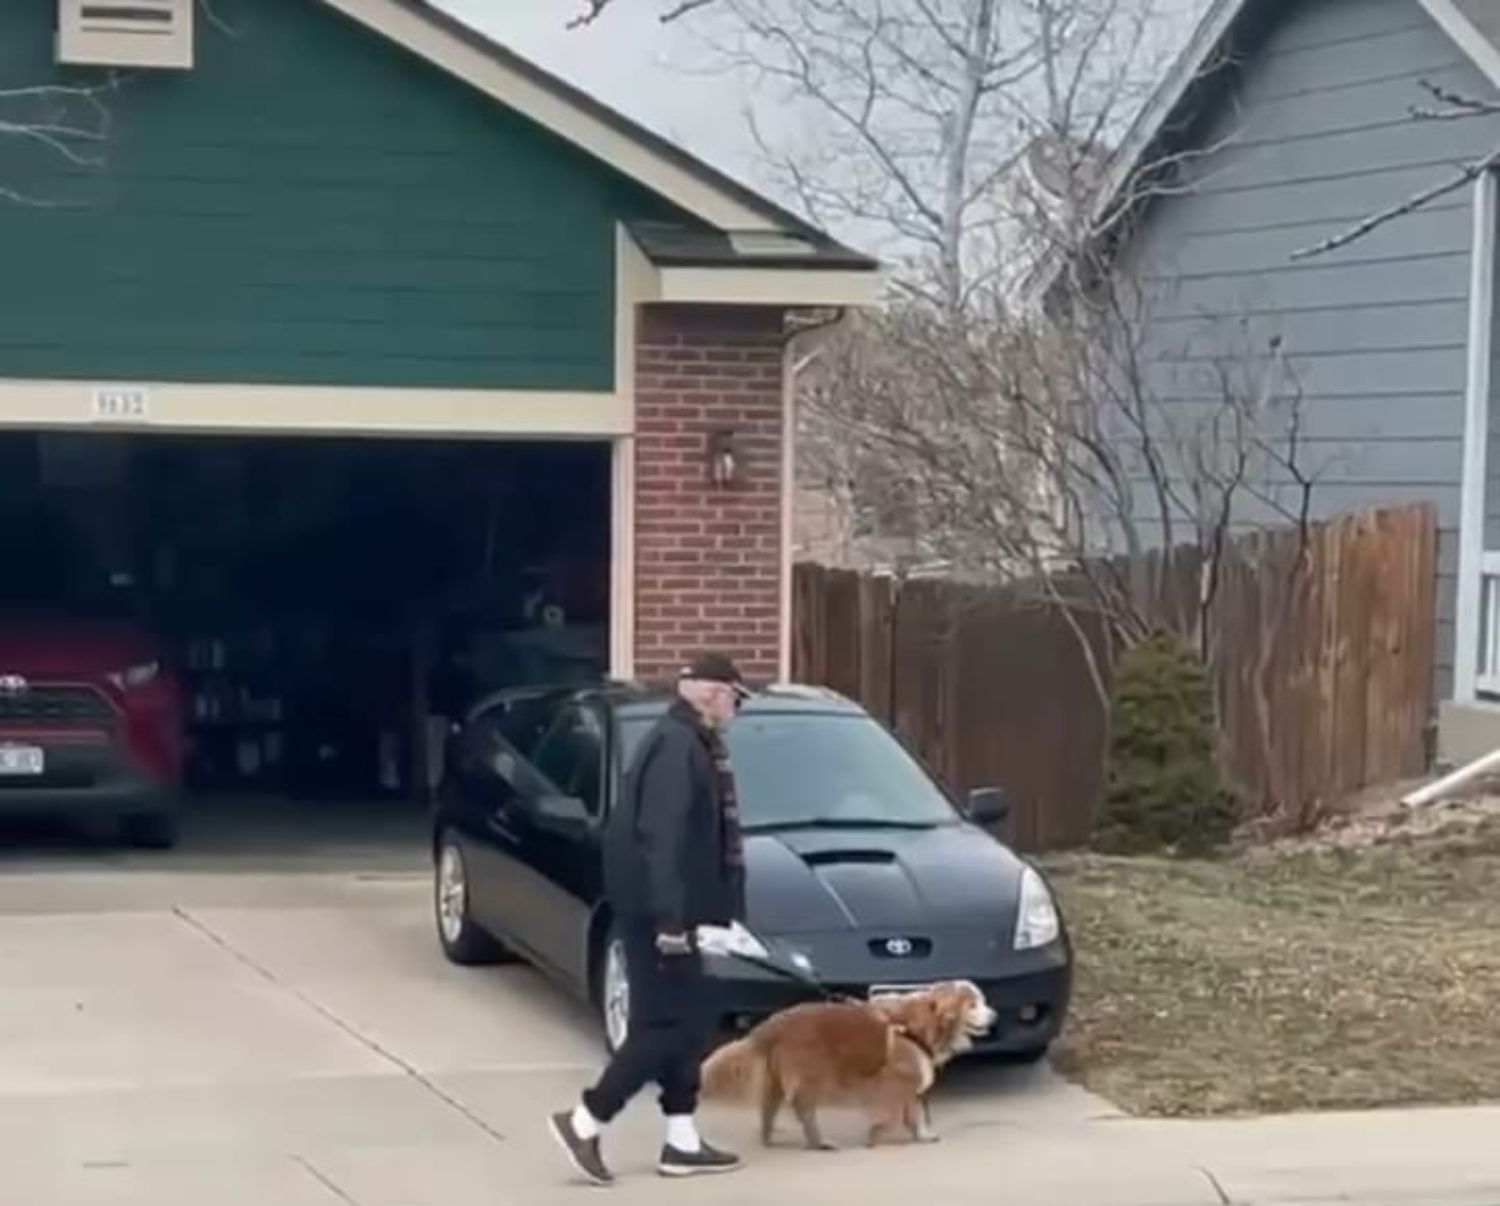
[[126, 33]]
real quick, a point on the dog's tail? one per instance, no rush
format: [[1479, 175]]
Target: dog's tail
[[735, 1072]]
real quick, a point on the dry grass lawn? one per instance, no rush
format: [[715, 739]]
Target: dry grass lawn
[[1315, 977]]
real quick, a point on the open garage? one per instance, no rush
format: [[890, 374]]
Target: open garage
[[245, 618], [360, 366]]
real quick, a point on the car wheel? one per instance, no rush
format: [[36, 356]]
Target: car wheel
[[464, 942], [1027, 1055], [151, 830], [614, 991]]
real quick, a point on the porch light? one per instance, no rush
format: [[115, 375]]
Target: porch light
[[723, 461]]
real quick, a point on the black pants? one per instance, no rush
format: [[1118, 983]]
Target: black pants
[[672, 1018]]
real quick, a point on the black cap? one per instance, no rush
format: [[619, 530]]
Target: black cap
[[715, 668]]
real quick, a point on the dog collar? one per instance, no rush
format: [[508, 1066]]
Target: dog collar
[[917, 1041]]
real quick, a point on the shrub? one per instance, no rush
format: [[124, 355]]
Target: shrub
[[1163, 786]]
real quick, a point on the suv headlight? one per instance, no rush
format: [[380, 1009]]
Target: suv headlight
[[1037, 922], [135, 677]]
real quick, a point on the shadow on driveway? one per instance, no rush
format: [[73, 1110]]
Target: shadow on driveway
[[241, 833]]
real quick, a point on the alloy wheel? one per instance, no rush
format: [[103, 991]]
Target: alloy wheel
[[452, 894]]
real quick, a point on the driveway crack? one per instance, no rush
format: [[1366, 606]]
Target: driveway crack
[[1218, 1187], [309, 1001], [323, 1179]]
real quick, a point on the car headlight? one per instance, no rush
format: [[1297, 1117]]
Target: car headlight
[[1037, 922], [134, 677], [733, 939]]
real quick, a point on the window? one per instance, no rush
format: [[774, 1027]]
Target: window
[[571, 756], [520, 721], [816, 768]]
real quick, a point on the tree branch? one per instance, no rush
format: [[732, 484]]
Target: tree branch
[[594, 9], [1466, 175], [49, 115]]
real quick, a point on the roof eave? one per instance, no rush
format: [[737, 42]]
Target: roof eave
[[1453, 21]]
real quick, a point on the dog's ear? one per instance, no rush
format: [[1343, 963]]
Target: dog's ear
[[924, 1017], [952, 1004]]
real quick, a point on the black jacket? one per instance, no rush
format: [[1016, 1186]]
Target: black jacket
[[664, 842]]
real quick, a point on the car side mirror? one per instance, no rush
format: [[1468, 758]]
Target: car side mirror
[[988, 806], [561, 812]]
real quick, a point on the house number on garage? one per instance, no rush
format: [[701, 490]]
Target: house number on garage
[[121, 404]]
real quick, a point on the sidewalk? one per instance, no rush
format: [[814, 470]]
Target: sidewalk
[[1388, 1156], [381, 1142], [1406, 1157], [1392, 1158], [1448, 1157]]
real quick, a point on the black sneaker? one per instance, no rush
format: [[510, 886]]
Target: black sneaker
[[707, 1159], [582, 1153]]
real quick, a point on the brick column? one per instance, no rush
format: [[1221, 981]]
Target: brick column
[[707, 557]]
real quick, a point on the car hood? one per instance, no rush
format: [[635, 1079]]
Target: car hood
[[82, 650], [817, 881]]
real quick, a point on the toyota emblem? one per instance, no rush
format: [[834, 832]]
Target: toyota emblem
[[898, 948], [13, 684]]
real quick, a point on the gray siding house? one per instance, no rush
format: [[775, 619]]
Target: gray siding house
[[1287, 121]]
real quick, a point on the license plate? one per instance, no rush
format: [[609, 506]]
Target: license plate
[[21, 760], [896, 990]]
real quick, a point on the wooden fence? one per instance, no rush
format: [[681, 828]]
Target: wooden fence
[[1324, 671]]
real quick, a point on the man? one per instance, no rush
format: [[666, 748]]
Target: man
[[673, 861]]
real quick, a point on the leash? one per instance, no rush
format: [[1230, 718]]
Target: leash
[[805, 979]]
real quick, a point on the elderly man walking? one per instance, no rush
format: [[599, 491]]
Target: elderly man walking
[[673, 861]]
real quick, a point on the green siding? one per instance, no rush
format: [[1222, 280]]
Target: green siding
[[311, 204]]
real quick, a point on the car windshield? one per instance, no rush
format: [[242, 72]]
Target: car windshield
[[811, 770]]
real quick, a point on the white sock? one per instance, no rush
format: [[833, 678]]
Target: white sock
[[585, 1125], [682, 1133]]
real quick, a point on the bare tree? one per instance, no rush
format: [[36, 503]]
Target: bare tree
[[965, 140], [592, 10], [1445, 105], [68, 122], [915, 121], [1053, 455]]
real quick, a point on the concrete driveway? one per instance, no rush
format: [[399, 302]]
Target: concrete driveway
[[259, 1026], [272, 1025]]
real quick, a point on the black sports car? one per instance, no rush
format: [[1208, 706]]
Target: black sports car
[[861, 872]]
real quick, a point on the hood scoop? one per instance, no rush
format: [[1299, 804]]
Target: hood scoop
[[844, 858]]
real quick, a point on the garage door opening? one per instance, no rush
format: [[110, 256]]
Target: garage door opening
[[315, 607]]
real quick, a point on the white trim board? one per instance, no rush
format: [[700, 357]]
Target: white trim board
[[635, 282], [1471, 506], [1457, 25], [811, 287], [788, 567], [230, 408]]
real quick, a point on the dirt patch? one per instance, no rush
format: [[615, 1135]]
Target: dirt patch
[[1357, 968]]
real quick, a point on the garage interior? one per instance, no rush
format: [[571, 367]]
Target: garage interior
[[320, 600]]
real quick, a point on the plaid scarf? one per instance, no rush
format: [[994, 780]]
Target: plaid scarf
[[729, 801]]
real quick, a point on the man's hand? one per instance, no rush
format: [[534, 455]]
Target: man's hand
[[674, 944]]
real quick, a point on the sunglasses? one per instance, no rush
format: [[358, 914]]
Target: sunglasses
[[737, 694]]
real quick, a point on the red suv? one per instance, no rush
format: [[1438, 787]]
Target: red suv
[[90, 726], [91, 721]]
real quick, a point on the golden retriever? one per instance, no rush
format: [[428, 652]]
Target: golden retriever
[[883, 1056]]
